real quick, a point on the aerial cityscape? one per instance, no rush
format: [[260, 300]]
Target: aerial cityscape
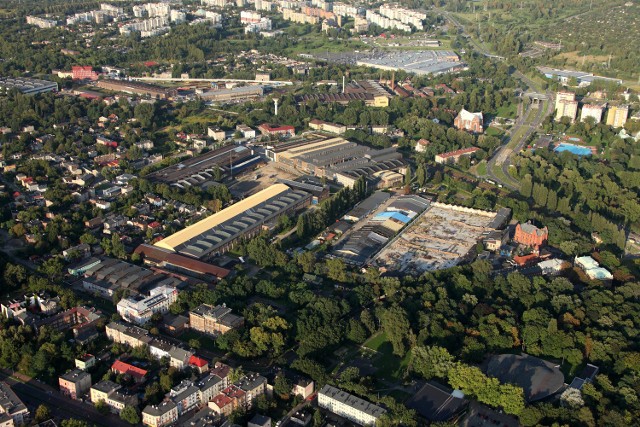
[[220, 213]]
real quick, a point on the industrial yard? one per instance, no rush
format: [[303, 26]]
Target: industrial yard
[[440, 238]]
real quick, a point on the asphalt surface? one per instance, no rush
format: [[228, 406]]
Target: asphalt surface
[[503, 157]]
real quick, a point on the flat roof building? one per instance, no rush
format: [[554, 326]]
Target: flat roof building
[[27, 85], [219, 232], [12, 409], [137, 88], [422, 62], [346, 405], [214, 320]]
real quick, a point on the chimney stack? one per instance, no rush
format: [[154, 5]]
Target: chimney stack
[[275, 102]]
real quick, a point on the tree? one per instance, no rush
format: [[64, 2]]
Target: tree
[[72, 422], [431, 361], [130, 414], [283, 387], [42, 413], [102, 407], [395, 324], [337, 270]]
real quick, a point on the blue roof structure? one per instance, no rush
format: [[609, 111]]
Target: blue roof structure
[[395, 215]]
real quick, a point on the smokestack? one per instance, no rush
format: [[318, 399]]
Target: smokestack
[[275, 102], [344, 79]]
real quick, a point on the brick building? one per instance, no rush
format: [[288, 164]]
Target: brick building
[[529, 235], [472, 122]]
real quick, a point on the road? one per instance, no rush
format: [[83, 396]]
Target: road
[[33, 394], [502, 159]]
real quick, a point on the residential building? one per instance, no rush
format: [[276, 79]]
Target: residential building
[[102, 389], [13, 411], [75, 383], [303, 387], [214, 320], [85, 361], [230, 399], [593, 111], [179, 357], [123, 368], [472, 122], [199, 364], [421, 145], [617, 115], [139, 309], [259, 421], [160, 415], [211, 386], [348, 406], [253, 385], [41, 22], [529, 235], [185, 395], [454, 156], [566, 105]]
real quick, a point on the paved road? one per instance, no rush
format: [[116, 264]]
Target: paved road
[[33, 394], [503, 157]]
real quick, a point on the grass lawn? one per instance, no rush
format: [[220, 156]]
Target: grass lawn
[[391, 367], [481, 168], [206, 342], [508, 111], [491, 131]]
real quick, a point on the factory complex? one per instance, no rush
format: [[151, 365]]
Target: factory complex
[[442, 237], [200, 170], [419, 62], [339, 160], [219, 232]]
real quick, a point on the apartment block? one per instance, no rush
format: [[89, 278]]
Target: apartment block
[[348, 406], [617, 115], [214, 320], [75, 383]]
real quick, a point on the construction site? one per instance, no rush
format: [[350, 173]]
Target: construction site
[[442, 237]]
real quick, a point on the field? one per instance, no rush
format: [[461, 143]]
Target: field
[[388, 365]]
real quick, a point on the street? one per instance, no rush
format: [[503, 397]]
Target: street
[[33, 394]]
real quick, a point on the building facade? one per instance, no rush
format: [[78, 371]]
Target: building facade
[[471, 122], [75, 383], [617, 115], [346, 405], [214, 320], [529, 235]]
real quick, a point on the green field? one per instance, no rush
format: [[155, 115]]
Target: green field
[[390, 367]]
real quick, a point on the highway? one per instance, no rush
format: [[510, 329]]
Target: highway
[[33, 394]]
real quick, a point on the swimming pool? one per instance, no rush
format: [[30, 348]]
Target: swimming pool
[[574, 149]]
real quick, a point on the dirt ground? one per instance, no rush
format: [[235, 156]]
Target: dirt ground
[[266, 175]]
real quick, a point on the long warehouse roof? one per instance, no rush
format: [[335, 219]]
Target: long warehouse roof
[[176, 239]]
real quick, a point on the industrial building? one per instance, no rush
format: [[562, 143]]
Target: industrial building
[[233, 94], [231, 160], [420, 62], [442, 237], [27, 86], [359, 245], [107, 275], [336, 159], [137, 88], [169, 260], [219, 232], [369, 91]]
